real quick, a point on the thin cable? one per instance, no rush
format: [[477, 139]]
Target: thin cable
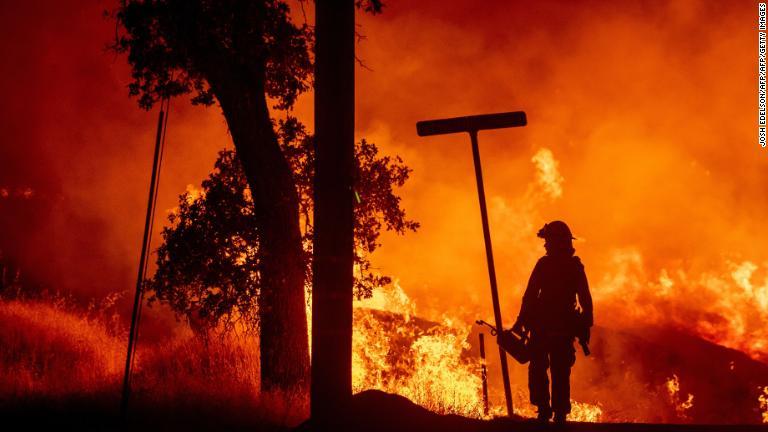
[[162, 125], [151, 229]]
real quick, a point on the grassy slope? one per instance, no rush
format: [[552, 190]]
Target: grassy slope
[[63, 366]]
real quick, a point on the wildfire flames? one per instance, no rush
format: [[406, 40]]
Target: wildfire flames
[[430, 356], [430, 362], [427, 362], [670, 219], [422, 361], [728, 308], [547, 174], [681, 406]]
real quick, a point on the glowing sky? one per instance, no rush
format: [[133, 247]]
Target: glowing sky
[[648, 109]]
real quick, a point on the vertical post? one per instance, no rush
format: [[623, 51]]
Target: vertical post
[[491, 267], [484, 374], [142, 266], [332, 265]]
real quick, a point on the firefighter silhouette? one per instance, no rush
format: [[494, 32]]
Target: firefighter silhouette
[[556, 309]]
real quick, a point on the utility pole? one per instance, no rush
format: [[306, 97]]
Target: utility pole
[[333, 251]]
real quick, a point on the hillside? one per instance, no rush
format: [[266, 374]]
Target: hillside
[[62, 367]]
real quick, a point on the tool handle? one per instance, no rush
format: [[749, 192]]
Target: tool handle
[[494, 332]]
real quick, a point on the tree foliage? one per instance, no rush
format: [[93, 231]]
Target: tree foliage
[[176, 47], [245, 55], [208, 264]]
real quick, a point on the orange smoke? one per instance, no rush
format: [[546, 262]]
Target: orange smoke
[[640, 136], [650, 126]]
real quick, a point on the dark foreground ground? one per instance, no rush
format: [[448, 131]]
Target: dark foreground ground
[[371, 411], [378, 411]]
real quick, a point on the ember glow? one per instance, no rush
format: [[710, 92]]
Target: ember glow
[[682, 404]]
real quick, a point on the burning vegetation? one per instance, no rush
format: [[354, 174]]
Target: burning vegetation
[[682, 405], [54, 353], [433, 364], [430, 357]]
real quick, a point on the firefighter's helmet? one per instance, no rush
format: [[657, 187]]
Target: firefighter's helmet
[[555, 230]]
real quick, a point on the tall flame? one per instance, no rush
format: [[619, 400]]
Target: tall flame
[[422, 361], [724, 305], [427, 362], [681, 406], [547, 173]]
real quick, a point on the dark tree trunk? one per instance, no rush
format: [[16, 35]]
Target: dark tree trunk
[[331, 388], [282, 307]]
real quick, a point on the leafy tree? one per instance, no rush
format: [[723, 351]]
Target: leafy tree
[[209, 264], [240, 53]]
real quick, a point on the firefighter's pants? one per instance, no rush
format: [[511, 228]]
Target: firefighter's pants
[[556, 353]]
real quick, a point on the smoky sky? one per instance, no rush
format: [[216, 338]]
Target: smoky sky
[[74, 138], [647, 107]]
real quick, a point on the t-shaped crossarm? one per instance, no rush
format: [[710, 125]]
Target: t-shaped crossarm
[[471, 123]]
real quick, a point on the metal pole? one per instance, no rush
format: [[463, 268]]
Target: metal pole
[[491, 267], [484, 374], [142, 266]]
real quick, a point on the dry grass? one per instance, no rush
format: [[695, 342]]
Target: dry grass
[[45, 350], [215, 379], [59, 362]]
